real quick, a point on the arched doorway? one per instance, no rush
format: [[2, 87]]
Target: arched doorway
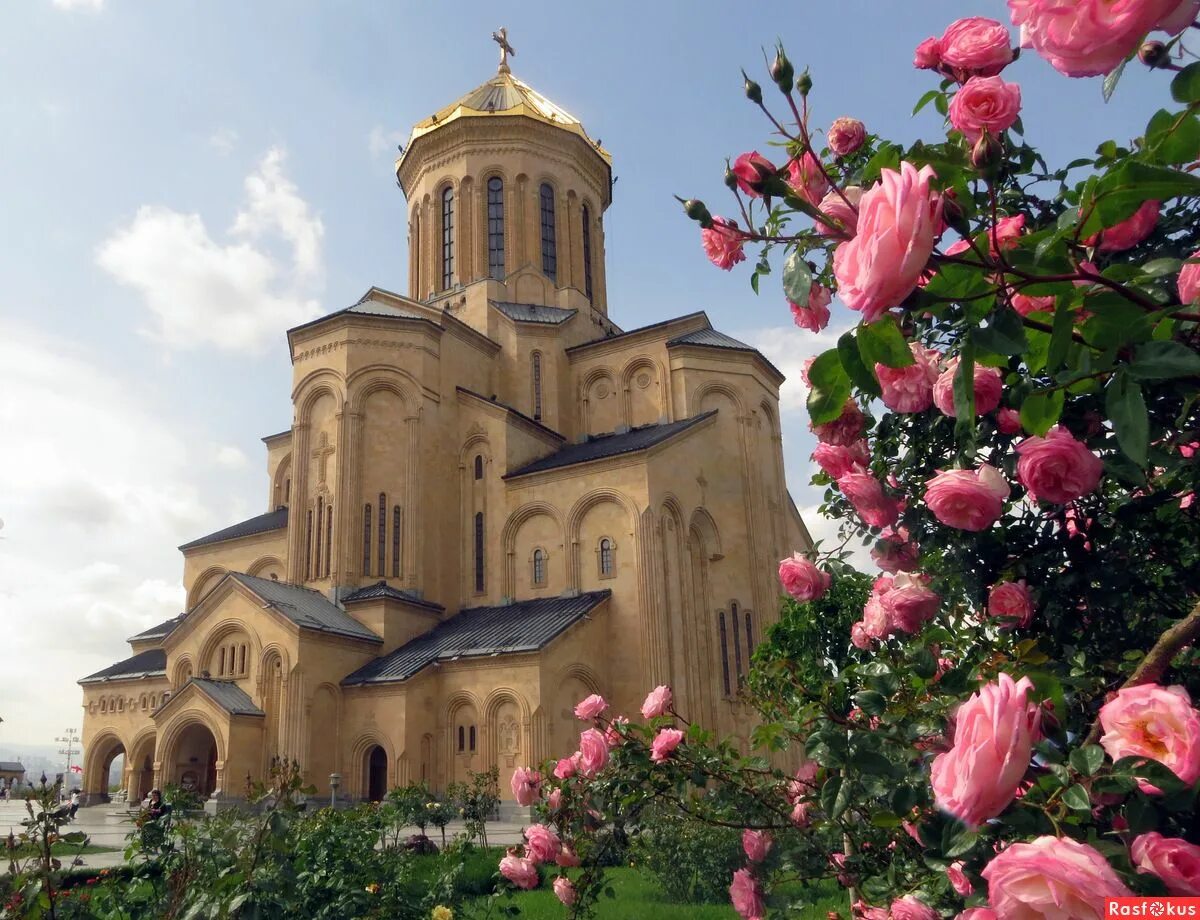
[[193, 763], [141, 768], [375, 781], [104, 754]]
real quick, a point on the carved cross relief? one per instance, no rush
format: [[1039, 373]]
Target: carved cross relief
[[321, 454]]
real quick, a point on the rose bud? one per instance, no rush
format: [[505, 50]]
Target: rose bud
[[782, 71], [986, 153], [730, 179], [1154, 54], [753, 90], [696, 210], [803, 83]]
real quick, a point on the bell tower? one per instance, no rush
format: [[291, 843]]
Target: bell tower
[[506, 195]]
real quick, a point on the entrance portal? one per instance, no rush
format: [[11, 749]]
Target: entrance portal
[[376, 778], [194, 761], [98, 765]]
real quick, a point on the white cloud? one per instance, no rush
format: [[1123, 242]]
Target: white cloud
[[382, 141], [94, 5], [223, 140], [231, 457], [788, 347], [235, 295]]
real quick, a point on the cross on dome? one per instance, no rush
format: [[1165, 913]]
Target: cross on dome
[[501, 38]]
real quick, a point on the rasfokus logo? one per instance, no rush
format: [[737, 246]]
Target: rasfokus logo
[[1152, 908]]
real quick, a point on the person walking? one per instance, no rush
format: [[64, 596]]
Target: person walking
[[74, 804]]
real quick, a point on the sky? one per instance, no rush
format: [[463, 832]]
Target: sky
[[182, 181]]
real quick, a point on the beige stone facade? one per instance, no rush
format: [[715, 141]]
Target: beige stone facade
[[491, 502]]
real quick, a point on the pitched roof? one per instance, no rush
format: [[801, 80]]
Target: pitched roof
[[600, 447], [150, 663], [687, 317], [710, 337], [228, 695], [306, 608], [262, 523], [383, 589], [161, 631], [511, 411], [525, 626], [11, 766], [369, 307], [532, 312]]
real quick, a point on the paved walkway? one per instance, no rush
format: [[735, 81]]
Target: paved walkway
[[108, 826]]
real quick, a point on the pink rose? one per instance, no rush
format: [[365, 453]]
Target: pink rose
[[1175, 861], [865, 493], [664, 744], [520, 871], [845, 429], [1057, 468], [657, 702], [1089, 37], [836, 460], [1051, 877], [859, 637], [976, 45], [1006, 233], [1008, 421], [567, 857], [593, 751], [815, 316], [1179, 18], [564, 890], [977, 913], [909, 908], [1155, 722], [994, 734], [751, 170], [985, 104], [1189, 280], [967, 499], [1024, 304], [958, 879], [612, 734], [554, 800], [841, 208], [591, 708], [756, 845], [799, 816], [542, 843], [526, 786], [928, 55], [895, 551], [746, 896], [1012, 602], [568, 766], [897, 225], [909, 603], [802, 579], [909, 389], [806, 176], [989, 387], [723, 243], [846, 135], [1127, 233]]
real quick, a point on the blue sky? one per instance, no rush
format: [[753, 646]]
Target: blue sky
[[180, 179]]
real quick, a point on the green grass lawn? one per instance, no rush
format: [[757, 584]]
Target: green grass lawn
[[63, 849]]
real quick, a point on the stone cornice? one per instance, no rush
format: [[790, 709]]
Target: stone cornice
[[722, 355]]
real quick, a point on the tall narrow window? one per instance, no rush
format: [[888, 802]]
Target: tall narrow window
[[479, 552], [221, 666], [737, 641], [328, 537], [396, 542], [587, 252], [479, 466], [749, 641], [606, 556], [366, 566], [447, 238], [241, 659], [539, 567], [317, 540], [308, 538], [724, 651], [462, 738], [381, 563], [537, 386], [495, 215], [472, 737], [549, 246]]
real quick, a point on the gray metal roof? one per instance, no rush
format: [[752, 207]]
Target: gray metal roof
[[509, 409], [11, 766], [150, 663], [272, 520], [377, 308], [710, 337], [228, 695], [532, 312], [306, 608], [628, 332], [600, 447], [161, 631], [524, 626], [383, 589]]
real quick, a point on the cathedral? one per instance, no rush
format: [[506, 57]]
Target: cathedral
[[491, 502]]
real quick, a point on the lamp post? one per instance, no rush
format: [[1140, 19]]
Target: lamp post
[[69, 739], [335, 780]]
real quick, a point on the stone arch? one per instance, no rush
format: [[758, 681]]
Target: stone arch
[[462, 711], [642, 391], [508, 540], [183, 669], [360, 753], [139, 764], [175, 732], [203, 583], [280, 493], [313, 386], [373, 378], [575, 521], [582, 673], [506, 735], [601, 400], [710, 387], [102, 750], [220, 632], [259, 568], [705, 528]]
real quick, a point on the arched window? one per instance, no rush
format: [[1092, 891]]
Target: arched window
[[287, 491], [242, 659], [749, 640], [221, 664], [724, 652], [606, 558], [308, 538], [537, 386], [549, 246], [479, 552], [472, 737], [447, 238], [587, 251], [737, 641], [495, 226], [366, 566], [380, 559], [396, 541], [328, 537], [462, 738], [104, 705], [317, 541], [479, 466], [539, 567]]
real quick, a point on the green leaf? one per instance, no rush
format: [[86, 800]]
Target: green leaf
[[1173, 137], [1185, 88], [1164, 360], [1110, 81], [1116, 322], [964, 390], [926, 99], [881, 343], [830, 793], [870, 702], [797, 278], [830, 388], [1060, 334], [1157, 268], [957, 839], [1077, 799], [871, 763], [1004, 335], [1087, 759], [1127, 408], [852, 362], [1041, 410], [1123, 190]]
